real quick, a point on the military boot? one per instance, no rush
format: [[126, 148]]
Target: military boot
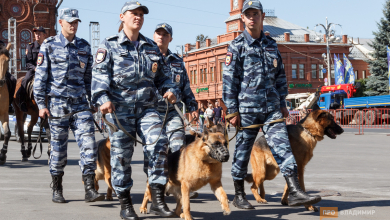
[[240, 200], [127, 209], [3, 155], [57, 189], [159, 207], [91, 195], [297, 196]]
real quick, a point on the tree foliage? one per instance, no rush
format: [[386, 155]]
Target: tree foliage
[[378, 82], [201, 38]]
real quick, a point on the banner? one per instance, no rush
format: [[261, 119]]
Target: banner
[[350, 74], [338, 71], [388, 61]]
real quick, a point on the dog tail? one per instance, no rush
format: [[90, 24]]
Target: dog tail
[[249, 178]]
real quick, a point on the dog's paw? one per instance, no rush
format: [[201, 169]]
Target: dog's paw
[[312, 208], [284, 202], [227, 212], [143, 210], [262, 201]]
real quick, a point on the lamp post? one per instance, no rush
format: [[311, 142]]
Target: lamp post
[[327, 29]]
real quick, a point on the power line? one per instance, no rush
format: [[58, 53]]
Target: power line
[[158, 19], [188, 8]]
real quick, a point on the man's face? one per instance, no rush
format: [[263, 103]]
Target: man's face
[[253, 18], [162, 38], [69, 28], [39, 36], [133, 20], [216, 104]]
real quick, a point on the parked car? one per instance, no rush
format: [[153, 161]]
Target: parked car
[[14, 129]]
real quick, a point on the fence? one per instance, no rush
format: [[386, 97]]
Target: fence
[[352, 118]]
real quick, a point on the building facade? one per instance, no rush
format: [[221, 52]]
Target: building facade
[[301, 51], [28, 14]]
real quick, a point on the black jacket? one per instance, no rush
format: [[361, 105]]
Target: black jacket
[[32, 55]]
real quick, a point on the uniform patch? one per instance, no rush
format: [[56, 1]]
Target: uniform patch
[[275, 63], [176, 64], [151, 52], [177, 78], [270, 49], [154, 67], [101, 55], [229, 57], [82, 65], [81, 52], [40, 59]]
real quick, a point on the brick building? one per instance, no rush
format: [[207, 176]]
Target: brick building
[[301, 51], [28, 14]]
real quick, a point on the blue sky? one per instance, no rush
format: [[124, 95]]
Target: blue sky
[[190, 18]]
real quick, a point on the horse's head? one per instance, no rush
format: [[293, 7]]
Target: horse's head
[[4, 59]]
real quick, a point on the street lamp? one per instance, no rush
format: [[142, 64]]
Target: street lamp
[[327, 29]]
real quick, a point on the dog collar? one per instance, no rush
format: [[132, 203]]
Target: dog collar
[[307, 131]]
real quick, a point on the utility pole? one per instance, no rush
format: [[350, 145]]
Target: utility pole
[[94, 36], [12, 40], [328, 38]]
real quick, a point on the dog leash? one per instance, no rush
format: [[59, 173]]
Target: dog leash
[[228, 117], [50, 117], [114, 128], [187, 123]]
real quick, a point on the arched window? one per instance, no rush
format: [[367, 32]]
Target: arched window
[[4, 35], [25, 39]]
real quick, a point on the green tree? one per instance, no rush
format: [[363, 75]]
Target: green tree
[[362, 89], [378, 82], [201, 38]]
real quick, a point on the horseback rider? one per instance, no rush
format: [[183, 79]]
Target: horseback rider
[[31, 62]]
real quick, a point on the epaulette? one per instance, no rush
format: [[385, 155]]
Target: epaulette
[[112, 37], [84, 41], [30, 43], [48, 39], [270, 38], [177, 56]]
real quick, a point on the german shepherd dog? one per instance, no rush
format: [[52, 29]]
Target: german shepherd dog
[[103, 168], [303, 139], [193, 167]]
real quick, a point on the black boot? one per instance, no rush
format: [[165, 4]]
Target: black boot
[[159, 207], [297, 196], [91, 195], [28, 152], [24, 154], [127, 209], [239, 200], [57, 189], [3, 156]]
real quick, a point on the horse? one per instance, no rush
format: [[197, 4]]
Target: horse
[[5, 100], [33, 111]]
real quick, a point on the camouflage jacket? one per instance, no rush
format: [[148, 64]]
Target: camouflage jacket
[[174, 70], [64, 69], [254, 80], [127, 75]]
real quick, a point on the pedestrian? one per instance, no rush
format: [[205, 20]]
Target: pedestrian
[[218, 113], [256, 91], [209, 113], [31, 63], [201, 117], [63, 74], [126, 76]]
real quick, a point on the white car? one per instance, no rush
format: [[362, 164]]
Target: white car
[[14, 129]]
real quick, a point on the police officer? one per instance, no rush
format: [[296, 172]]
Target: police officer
[[126, 78], [64, 73], [31, 62], [255, 86]]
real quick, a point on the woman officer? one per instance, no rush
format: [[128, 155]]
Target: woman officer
[[126, 77]]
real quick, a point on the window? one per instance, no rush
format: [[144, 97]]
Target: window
[[201, 76], [212, 73], [314, 71], [192, 77], [364, 74], [301, 71], [356, 74], [196, 77], [222, 64], [294, 71], [205, 75], [321, 74]]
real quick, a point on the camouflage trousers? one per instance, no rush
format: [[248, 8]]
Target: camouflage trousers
[[83, 129], [176, 139], [276, 136], [147, 124]]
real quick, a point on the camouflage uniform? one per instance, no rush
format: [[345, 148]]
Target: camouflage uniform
[[64, 72], [255, 85], [129, 76], [174, 70]]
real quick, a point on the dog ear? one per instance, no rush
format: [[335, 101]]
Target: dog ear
[[205, 133], [316, 107], [220, 129], [317, 114]]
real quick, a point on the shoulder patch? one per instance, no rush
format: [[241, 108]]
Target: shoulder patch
[[229, 57], [176, 64], [101, 55], [30, 43], [40, 59], [48, 39]]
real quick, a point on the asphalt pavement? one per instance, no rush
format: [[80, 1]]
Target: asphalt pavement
[[350, 173]]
